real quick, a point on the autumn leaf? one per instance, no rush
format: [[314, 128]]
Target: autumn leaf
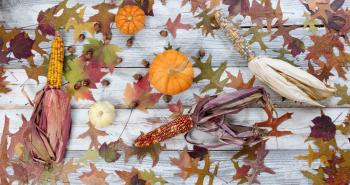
[[57, 16], [314, 3], [3, 83], [195, 4], [102, 53], [238, 83], [214, 3], [88, 156], [39, 38], [3, 152], [19, 136], [145, 5], [310, 157], [130, 178], [151, 178], [273, 123], [34, 71], [310, 23], [79, 27], [323, 128], [138, 95], [6, 36], [68, 168], [173, 26], [207, 22], [93, 133], [237, 7], [208, 73], [177, 109], [282, 52], [198, 152], [263, 11], [21, 45], [189, 167], [342, 92], [257, 37], [241, 172], [103, 17], [94, 177], [344, 128], [109, 152]]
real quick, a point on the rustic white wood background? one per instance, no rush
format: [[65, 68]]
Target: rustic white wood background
[[282, 150]]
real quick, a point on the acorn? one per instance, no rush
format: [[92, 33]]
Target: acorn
[[137, 77], [71, 49], [163, 33], [145, 63], [77, 85], [201, 52], [81, 37], [130, 41], [97, 27], [167, 98], [105, 83], [86, 82], [119, 60]]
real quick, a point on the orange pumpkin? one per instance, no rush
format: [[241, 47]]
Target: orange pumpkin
[[130, 19], [171, 72]]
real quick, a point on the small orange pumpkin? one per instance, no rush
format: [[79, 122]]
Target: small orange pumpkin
[[171, 72], [130, 19]]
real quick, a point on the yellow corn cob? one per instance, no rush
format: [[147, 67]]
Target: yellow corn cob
[[54, 75]]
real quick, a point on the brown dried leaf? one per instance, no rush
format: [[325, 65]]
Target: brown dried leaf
[[238, 83], [94, 177], [342, 92], [173, 26], [104, 17], [93, 133]]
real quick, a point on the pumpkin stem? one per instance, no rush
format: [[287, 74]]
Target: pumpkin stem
[[179, 69]]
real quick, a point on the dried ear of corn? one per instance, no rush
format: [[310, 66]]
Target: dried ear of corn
[[287, 80], [51, 120]]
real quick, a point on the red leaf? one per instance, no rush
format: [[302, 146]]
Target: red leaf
[[323, 128], [21, 45], [273, 123], [238, 83], [173, 26], [237, 7]]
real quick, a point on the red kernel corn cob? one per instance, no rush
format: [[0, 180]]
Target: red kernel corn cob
[[178, 126]]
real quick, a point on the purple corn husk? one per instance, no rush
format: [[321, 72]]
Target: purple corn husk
[[51, 124], [209, 117]]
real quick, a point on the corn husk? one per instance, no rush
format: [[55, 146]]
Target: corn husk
[[50, 126], [285, 79], [289, 81]]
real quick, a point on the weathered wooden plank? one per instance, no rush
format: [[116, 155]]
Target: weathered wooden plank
[[189, 42], [285, 165], [28, 9], [121, 77], [299, 125]]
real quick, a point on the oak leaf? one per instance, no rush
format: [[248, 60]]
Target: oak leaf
[[237, 7], [103, 17], [3, 82], [195, 4], [342, 92], [207, 22], [238, 83], [176, 24], [177, 109], [79, 27], [208, 73], [241, 172], [93, 133], [3, 152], [274, 123], [94, 177]]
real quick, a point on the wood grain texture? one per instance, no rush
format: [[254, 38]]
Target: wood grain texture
[[283, 150]]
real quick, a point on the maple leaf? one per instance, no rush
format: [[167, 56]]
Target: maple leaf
[[238, 83], [257, 37], [273, 123], [177, 109], [140, 153], [207, 22], [21, 45], [93, 133], [241, 172], [57, 16], [258, 166], [198, 152], [323, 128], [189, 167], [3, 82], [342, 92], [94, 177], [103, 17], [83, 93], [109, 152], [79, 27], [138, 95], [173, 26], [237, 7], [3, 152], [207, 73], [294, 44], [130, 178], [103, 53], [151, 178]]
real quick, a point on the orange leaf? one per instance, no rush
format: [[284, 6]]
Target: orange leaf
[[93, 133], [238, 83], [273, 123]]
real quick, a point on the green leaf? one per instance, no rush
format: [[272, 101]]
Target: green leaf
[[151, 178], [74, 71], [103, 53], [90, 155], [310, 22], [282, 56], [257, 37], [207, 73], [342, 91], [207, 22]]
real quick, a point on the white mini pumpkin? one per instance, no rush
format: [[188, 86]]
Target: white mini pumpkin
[[101, 114]]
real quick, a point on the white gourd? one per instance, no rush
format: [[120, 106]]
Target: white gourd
[[102, 114]]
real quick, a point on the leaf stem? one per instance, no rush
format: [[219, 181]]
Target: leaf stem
[[126, 124]]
